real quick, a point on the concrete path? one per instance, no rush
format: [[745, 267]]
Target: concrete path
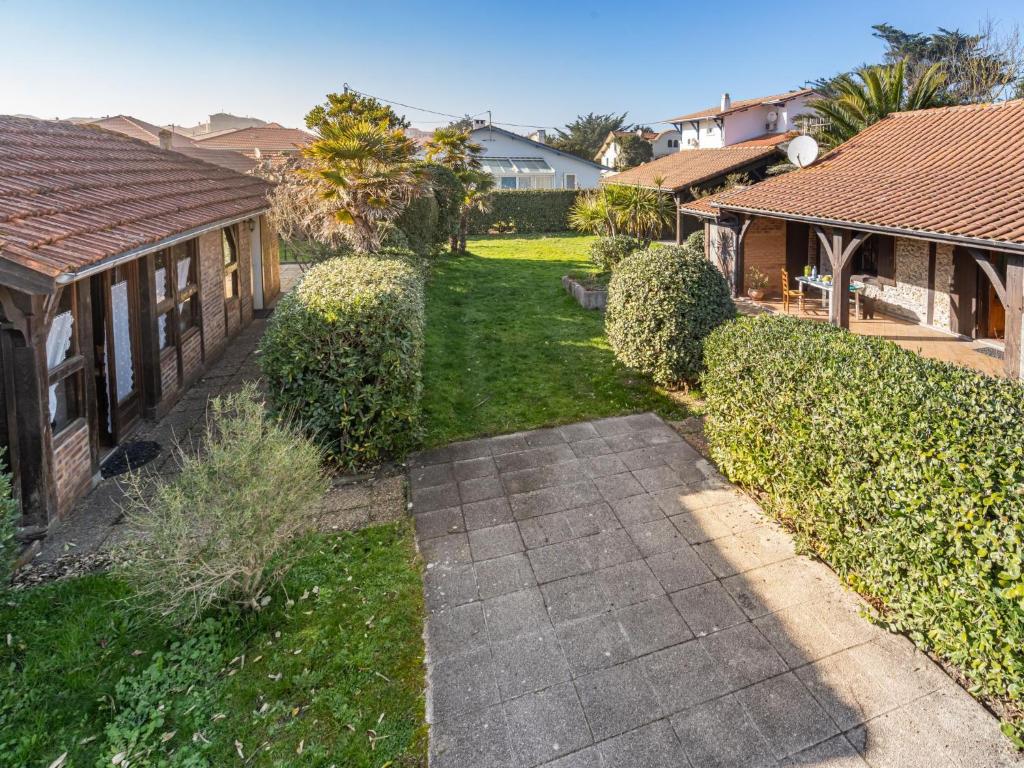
[[598, 597]]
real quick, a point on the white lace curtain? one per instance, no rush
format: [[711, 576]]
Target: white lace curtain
[[58, 342]]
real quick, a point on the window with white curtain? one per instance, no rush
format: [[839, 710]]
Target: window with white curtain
[[64, 363]]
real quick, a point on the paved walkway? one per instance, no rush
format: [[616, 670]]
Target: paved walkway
[[599, 597]]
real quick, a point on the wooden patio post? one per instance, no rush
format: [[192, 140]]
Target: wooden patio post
[[840, 248], [1014, 316], [679, 225], [738, 260]]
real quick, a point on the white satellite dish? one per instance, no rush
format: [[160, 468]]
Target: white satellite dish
[[802, 151]]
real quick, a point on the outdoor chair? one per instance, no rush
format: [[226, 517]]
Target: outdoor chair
[[790, 293]]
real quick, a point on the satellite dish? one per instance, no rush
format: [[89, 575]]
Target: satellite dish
[[802, 151]]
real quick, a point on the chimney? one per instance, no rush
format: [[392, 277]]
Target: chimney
[[165, 139], [541, 135], [726, 102], [479, 123]]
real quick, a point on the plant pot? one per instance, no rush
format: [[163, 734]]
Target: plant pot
[[757, 294]]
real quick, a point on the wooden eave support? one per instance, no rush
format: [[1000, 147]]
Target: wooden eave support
[[985, 264], [738, 262], [840, 246]]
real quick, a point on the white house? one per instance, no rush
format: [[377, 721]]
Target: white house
[[662, 144], [520, 162], [732, 122]]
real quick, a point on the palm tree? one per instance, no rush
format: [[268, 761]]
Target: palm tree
[[369, 171], [454, 148], [477, 197], [871, 93], [640, 211], [589, 214]]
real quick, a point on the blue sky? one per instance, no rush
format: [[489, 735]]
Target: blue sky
[[530, 61]]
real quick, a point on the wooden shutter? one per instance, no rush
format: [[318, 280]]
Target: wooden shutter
[[886, 258]]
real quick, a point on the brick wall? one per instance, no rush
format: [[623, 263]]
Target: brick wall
[[72, 466], [211, 264], [764, 248], [168, 372], [245, 270], [192, 355]]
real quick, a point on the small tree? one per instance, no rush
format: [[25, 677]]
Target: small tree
[[454, 149], [585, 135], [633, 151], [477, 186]]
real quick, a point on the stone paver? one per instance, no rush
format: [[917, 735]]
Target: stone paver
[[599, 597]]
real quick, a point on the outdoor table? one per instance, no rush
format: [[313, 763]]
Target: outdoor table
[[825, 286]]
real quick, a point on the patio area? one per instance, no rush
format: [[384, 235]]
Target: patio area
[[598, 595], [909, 335]]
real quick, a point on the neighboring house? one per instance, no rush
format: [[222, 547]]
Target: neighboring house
[[125, 271], [733, 122], [662, 144], [922, 207], [168, 138], [683, 173], [220, 122], [519, 162], [270, 140]]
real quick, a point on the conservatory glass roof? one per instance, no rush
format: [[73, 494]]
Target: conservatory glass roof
[[513, 165]]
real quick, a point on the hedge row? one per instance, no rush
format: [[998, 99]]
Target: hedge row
[[906, 475], [343, 354], [525, 211]]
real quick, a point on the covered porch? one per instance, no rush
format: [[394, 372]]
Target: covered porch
[[981, 356]]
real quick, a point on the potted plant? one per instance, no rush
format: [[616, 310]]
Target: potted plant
[[757, 284]]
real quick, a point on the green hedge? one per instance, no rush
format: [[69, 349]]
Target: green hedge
[[419, 224], [905, 474], [343, 353], [525, 211], [662, 303]]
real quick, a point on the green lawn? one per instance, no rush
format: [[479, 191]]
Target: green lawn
[[329, 674], [508, 349]]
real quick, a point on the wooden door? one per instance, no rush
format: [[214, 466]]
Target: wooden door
[[963, 294], [116, 338]]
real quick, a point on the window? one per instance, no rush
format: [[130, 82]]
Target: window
[[508, 182], [876, 258], [570, 181], [65, 363], [175, 289], [230, 246]]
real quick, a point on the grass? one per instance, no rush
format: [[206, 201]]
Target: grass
[[508, 349], [329, 674]]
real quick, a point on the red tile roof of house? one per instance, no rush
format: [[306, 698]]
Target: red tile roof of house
[[953, 171], [267, 138], [741, 104], [149, 133], [701, 207], [690, 167], [74, 195]]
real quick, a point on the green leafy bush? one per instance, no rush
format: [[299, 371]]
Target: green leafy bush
[[448, 192], [526, 211], [8, 523], [419, 223], [662, 303], [343, 354], [607, 252], [905, 474], [215, 533]]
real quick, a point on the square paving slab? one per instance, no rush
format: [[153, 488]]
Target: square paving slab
[[598, 596]]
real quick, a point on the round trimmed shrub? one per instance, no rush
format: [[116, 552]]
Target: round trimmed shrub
[[662, 303], [343, 355], [607, 252]]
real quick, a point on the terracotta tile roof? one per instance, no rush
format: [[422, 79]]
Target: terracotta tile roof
[[74, 195], [701, 207], [267, 138], [739, 105], [956, 171], [689, 167], [150, 133], [767, 140], [141, 130]]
